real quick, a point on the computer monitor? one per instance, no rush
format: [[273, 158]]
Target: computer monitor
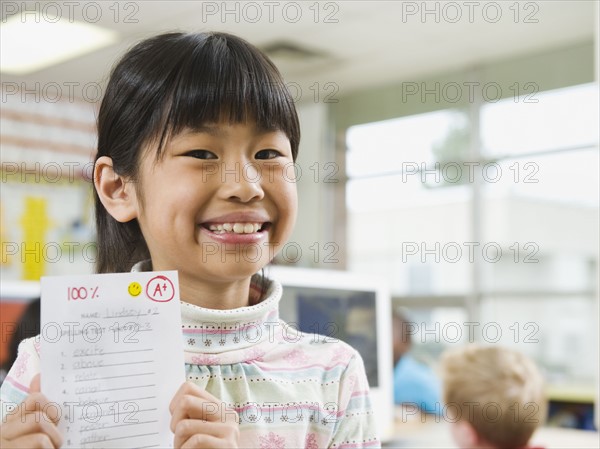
[[354, 308]]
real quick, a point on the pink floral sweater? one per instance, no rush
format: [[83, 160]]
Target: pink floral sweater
[[290, 389]]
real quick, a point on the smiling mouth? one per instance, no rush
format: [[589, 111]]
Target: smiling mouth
[[237, 228]]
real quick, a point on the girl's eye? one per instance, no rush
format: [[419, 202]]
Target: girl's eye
[[201, 154], [267, 154]]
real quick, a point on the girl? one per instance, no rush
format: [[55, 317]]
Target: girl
[[195, 133]]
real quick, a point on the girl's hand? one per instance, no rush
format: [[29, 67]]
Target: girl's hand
[[33, 425], [199, 420]]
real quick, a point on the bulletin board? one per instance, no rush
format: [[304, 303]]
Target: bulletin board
[[46, 206], [47, 150]]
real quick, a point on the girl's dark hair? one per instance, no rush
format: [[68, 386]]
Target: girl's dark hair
[[169, 83], [28, 326]]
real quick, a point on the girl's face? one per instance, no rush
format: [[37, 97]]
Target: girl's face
[[219, 204]]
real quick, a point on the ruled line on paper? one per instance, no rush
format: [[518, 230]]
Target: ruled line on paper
[[126, 363], [122, 412], [128, 412], [114, 352], [129, 436], [125, 400], [124, 388], [115, 377], [127, 316], [137, 411], [120, 425], [114, 364]]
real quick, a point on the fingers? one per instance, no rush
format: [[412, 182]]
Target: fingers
[[32, 430], [34, 425], [39, 402], [33, 404], [198, 419], [199, 408], [34, 441], [34, 387], [191, 401], [193, 429], [188, 388], [205, 441]]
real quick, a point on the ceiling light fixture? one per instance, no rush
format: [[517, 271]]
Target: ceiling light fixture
[[28, 45]]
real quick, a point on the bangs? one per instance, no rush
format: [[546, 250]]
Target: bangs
[[220, 77]]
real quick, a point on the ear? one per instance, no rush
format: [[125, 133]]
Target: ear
[[465, 435], [116, 193]]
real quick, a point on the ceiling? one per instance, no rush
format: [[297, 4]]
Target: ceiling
[[358, 43]]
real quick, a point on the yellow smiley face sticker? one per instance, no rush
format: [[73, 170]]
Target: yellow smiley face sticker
[[134, 289]]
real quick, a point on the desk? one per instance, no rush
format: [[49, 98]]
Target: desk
[[427, 431]]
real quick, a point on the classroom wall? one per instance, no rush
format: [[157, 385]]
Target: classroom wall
[[46, 208], [313, 239], [551, 69]]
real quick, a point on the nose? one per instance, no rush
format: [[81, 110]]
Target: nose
[[243, 183]]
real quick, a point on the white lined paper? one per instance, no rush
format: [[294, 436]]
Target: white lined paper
[[112, 357]]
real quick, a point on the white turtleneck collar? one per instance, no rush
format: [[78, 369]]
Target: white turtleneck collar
[[217, 337]]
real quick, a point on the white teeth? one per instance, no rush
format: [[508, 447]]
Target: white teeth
[[238, 228]]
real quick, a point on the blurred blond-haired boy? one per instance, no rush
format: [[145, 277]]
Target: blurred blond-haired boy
[[494, 397]]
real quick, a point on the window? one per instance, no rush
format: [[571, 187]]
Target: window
[[395, 208], [490, 232]]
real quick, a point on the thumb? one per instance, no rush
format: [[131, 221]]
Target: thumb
[[34, 386]]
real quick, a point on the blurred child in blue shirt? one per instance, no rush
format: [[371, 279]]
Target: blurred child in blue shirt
[[414, 382]]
